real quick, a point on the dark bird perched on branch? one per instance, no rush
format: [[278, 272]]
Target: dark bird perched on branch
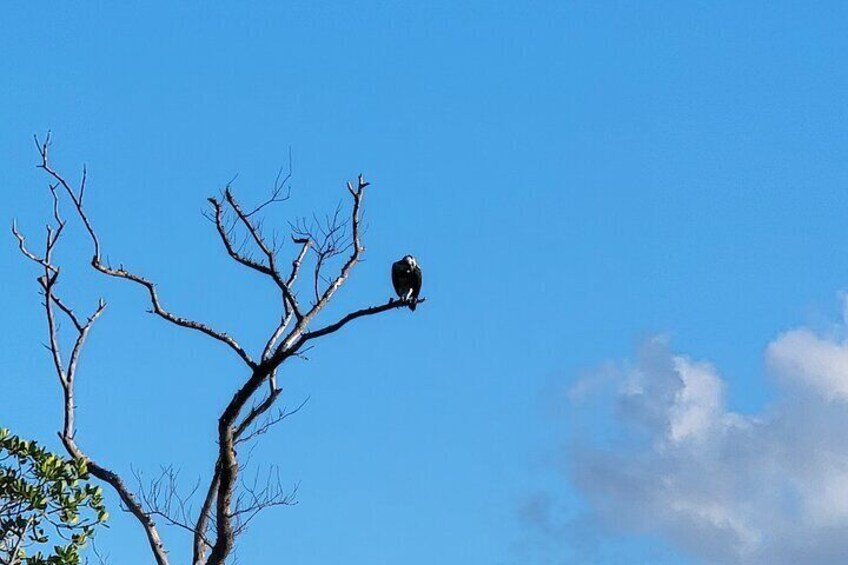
[[406, 278]]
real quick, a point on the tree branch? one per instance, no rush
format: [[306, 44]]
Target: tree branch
[[96, 262], [200, 543], [224, 233], [67, 375], [177, 320], [159, 497], [390, 305], [287, 347], [271, 269]]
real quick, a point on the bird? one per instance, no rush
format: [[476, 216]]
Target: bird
[[406, 278]]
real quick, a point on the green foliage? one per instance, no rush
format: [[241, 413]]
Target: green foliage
[[45, 500]]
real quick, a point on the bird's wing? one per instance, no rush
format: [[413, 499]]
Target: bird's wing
[[417, 278], [399, 277]]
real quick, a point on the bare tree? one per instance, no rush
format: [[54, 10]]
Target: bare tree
[[229, 502]]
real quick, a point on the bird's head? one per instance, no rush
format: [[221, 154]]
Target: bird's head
[[410, 260]]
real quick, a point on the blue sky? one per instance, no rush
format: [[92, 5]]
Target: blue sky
[[574, 178]]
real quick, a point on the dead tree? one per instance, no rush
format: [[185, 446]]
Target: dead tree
[[226, 507]]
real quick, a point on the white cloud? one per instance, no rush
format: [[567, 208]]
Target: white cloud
[[817, 362], [671, 458], [698, 402]]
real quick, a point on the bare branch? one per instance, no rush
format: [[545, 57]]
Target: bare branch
[[291, 343], [255, 413], [67, 374], [101, 559], [285, 319], [329, 239], [200, 543], [68, 312], [80, 341], [358, 193], [177, 320], [225, 235], [279, 185], [162, 498], [47, 283], [97, 263], [390, 305], [271, 268], [269, 421], [227, 461], [305, 244], [227, 467], [257, 496], [26, 252], [281, 328], [128, 499]]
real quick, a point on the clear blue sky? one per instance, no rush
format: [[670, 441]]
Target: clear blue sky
[[573, 177]]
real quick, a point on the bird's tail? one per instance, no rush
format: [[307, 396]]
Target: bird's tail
[[413, 303]]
